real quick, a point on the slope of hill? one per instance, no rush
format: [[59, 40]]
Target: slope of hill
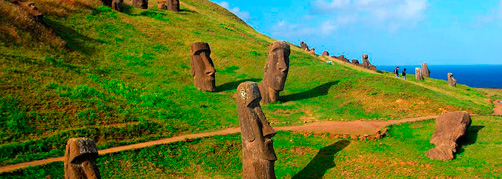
[[122, 78]]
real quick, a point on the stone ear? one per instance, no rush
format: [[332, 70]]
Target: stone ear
[[192, 66]]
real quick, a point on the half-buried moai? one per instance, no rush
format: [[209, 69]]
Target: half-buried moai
[[418, 74], [258, 155], [80, 159], [366, 63], [31, 9], [276, 71], [312, 51], [355, 62], [172, 5], [202, 67], [449, 128], [118, 5], [143, 4], [451, 80], [425, 70], [325, 53], [304, 46]]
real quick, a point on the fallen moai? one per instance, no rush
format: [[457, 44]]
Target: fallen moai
[[355, 62], [451, 80], [258, 155], [80, 159], [425, 70], [276, 71], [202, 67], [341, 58], [449, 128]]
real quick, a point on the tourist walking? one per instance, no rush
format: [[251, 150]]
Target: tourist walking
[[396, 71], [404, 74]]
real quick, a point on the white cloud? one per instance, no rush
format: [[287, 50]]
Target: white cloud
[[236, 10], [388, 14]]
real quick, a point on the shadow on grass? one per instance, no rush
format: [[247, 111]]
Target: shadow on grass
[[322, 162], [234, 84], [470, 138], [75, 40], [315, 92]]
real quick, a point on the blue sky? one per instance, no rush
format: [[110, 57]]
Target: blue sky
[[391, 32]]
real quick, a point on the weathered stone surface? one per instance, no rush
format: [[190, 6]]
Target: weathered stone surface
[[312, 51], [304, 46], [276, 71], [325, 53], [425, 70], [118, 5], [202, 67], [173, 5], [143, 4], [451, 80], [162, 4], [418, 74], [80, 159], [355, 61], [449, 128], [258, 155], [366, 63], [31, 9], [341, 58]]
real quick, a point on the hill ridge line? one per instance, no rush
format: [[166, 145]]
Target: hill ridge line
[[358, 127]]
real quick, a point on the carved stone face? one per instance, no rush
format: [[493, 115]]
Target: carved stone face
[[173, 5], [202, 67], [80, 159], [277, 66], [255, 130]]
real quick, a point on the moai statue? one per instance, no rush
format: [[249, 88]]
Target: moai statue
[[451, 80], [258, 155], [143, 4], [449, 128], [366, 63], [304, 46], [118, 5], [173, 5], [425, 70], [418, 74], [202, 67], [80, 159], [162, 4], [276, 71], [31, 9], [325, 53], [355, 62], [342, 58], [312, 51]]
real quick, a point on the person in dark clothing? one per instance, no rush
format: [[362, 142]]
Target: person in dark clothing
[[404, 74], [396, 71]]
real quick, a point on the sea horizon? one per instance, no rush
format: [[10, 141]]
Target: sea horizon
[[477, 76]]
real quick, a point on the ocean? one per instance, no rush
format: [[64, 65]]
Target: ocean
[[478, 76]]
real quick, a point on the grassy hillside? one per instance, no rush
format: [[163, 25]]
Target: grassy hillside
[[124, 77], [401, 155]]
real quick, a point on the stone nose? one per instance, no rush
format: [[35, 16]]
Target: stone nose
[[209, 69], [268, 131]]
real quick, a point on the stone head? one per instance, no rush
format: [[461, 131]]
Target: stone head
[[365, 57], [277, 66], [255, 128], [31, 9], [202, 67], [80, 159], [173, 5]]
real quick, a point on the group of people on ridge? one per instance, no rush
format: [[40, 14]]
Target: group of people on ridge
[[396, 71]]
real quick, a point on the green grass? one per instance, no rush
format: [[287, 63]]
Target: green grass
[[124, 77], [402, 154]]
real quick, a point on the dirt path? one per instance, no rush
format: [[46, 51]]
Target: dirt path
[[336, 127], [498, 108]]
